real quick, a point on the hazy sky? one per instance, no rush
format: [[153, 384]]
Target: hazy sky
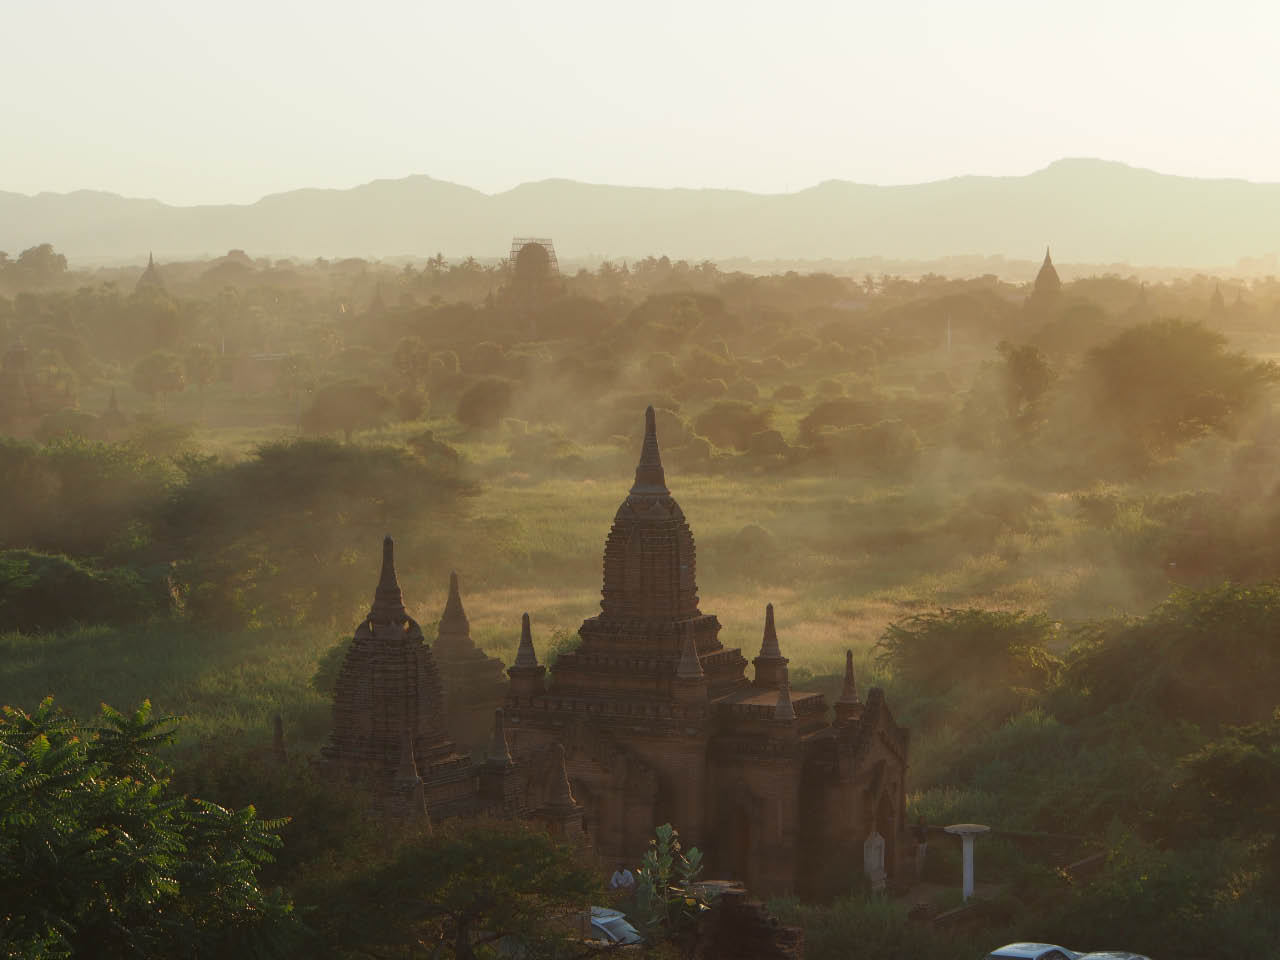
[[227, 101]]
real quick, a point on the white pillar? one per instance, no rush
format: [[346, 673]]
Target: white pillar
[[966, 832], [967, 842]]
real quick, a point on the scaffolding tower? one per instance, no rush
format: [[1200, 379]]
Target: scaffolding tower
[[519, 243]]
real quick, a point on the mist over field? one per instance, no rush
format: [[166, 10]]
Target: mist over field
[[1041, 515]]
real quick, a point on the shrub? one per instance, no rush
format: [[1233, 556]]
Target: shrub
[[695, 391], [732, 424], [840, 412], [484, 403], [345, 406], [411, 403], [989, 656], [889, 446], [702, 364], [486, 357], [794, 347], [68, 423], [829, 388]]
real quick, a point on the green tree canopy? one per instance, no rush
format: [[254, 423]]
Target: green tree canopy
[[1168, 381], [465, 888], [293, 532], [986, 657], [100, 857]]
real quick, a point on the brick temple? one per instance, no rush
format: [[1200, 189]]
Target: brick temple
[[655, 720]]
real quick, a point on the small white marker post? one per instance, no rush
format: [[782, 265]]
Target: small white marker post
[[966, 832]]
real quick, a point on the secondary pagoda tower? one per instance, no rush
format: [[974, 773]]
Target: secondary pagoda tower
[[387, 711], [475, 684]]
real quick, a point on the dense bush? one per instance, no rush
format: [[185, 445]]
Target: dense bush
[[77, 497], [841, 412], [993, 660], [278, 538], [1210, 657], [44, 592]]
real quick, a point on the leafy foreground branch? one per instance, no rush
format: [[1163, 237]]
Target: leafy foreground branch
[[100, 857]]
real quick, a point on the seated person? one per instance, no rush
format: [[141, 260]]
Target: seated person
[[623, 880]]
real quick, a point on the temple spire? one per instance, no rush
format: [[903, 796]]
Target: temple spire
[[1048, 262], [453, 606], [525, 656], [769, 648], [690, 666], [499, 752], [771, 665], [650, 477], [849, 694], [388, 602]]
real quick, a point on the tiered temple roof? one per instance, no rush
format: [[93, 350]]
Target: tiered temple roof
[[633, 648]]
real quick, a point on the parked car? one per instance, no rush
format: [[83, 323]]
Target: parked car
[[1032, 951], [1050, 951]]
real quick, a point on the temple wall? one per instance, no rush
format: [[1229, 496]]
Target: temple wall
[[754, 813]]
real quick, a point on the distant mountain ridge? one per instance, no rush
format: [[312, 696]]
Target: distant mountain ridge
[[1089, 210]]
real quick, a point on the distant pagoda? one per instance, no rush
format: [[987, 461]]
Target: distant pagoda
[[1048, 286], [150, 279]]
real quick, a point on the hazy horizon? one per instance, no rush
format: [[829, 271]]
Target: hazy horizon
[[641, 186], [230, 104]]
